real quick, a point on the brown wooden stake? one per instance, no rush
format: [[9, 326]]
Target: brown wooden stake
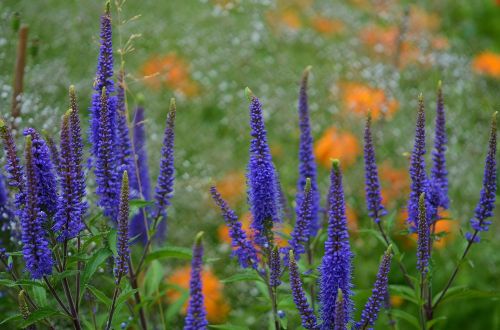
[[19, 71]]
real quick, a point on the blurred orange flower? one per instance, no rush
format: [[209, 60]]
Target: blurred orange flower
[[232, 187], [445, 226], [337, 144], [385, 41], [487, 63], [395, 183], [223, 230], [360, 98], [215, 302], [171, 71], [421, 21], [352, 218], [327, 26], [396, 301]]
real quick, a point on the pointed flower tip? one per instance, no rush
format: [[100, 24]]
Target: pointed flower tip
[[308, 185], [173, 105], [440, 84], [125, 178], [140, 99], [389, 249], [28, 141], [421, 199], [421, 97], [493, 120], [249, 94], [107, 9], [335, 164], [199, 236], [306, 72], [340, 295], [2, 123]]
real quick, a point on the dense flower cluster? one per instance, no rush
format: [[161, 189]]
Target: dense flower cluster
[[372, 184], [336, 268], [263, 191], [486, 204], [307, 161], [196, 317]]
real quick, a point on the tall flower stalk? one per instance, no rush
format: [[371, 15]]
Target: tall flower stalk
[[242, 247], [36, 250], [263, 194], [307, 161], [336, 268], [122, 247], [196, 317], [372, 184], [370, 313], [299, 296]]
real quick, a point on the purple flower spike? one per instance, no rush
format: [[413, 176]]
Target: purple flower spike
[[54, 152], [122, 248], [300, 233], [165, 184], [340, 316], [5, 207], [423, 237], [336, 268], [486, 204], [13, 168], [77, 152], [307, 161], [370, 313], [44, 170], [299, 297], [275, 268], [105, 171], [439, 174], [68, 218], [419, 181], [103, 80], [243, 248], [263, 193], [372, 184], [196, 317], [36, 251], [142, 182], [124, 159]]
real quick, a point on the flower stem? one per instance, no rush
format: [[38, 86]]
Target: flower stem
[[454, 274]]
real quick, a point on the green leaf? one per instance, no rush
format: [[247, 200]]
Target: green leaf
[[67, 273], [91, 267], [174, 308], [375, 233], [227, 326], [153, 278], [407, 317], [405, 293], [136, 204], [40, 295], [101, 296], [461, 292], [176, 252], [246, 277], [431, 323], [112, 235], [6, 282], [40, 314], [13, 317], [124, 296]]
